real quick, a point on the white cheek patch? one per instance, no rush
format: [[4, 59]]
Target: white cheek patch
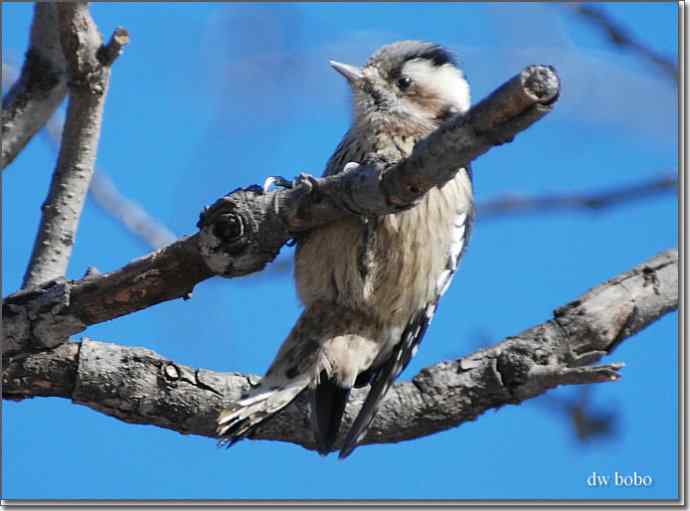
[[446, 81]]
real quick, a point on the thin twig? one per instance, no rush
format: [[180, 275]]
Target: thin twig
[[81, 42], [105, 194], [111, 51], [620, 36], [39, 90], [139, 386], [510, 204]]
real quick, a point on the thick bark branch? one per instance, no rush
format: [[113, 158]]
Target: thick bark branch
[[46, 315], [136, 385], [89, 77], [40, 88], [244, 231]]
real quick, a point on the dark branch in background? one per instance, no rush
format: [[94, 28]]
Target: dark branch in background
[[244, 231], [139, 386], [588, 421], [88, 84], [40, 88], [511, 204], [620, 36]]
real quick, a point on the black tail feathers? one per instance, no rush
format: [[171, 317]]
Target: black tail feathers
[[328, 404]]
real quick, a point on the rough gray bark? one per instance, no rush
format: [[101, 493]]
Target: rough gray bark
[[46, 315], [40, 89], [139, 386], [89, 74], [244, 231]]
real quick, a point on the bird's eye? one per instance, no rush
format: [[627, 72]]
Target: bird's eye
[[404, 82]]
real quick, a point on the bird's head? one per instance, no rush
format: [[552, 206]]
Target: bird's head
[[409, 82]]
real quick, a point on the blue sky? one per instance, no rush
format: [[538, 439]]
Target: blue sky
[[209, 97]]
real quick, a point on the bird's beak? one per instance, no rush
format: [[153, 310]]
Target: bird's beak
[[353, 74]]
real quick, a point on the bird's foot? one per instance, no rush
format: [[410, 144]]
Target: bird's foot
[[308, 180], [279, 181]]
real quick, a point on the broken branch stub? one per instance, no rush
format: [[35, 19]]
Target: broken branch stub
[[240, 233]]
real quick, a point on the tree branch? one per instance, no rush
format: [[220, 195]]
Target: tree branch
[[89, 77], [596, 201], [46, 315], [40, 88], [138, 386], [244, 231]]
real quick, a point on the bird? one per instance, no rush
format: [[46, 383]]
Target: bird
[[370, 285]]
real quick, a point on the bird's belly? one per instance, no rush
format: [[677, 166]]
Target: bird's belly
[[393, 271]]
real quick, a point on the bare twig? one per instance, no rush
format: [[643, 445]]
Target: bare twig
[[114, 48], [135, 219], [621, 37], [136, 385], [40, 88], [596, 201], [81, 43]]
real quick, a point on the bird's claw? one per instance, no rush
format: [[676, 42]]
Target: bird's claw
[[308, 180], [276, 181], [303, 179], [350, 166]]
